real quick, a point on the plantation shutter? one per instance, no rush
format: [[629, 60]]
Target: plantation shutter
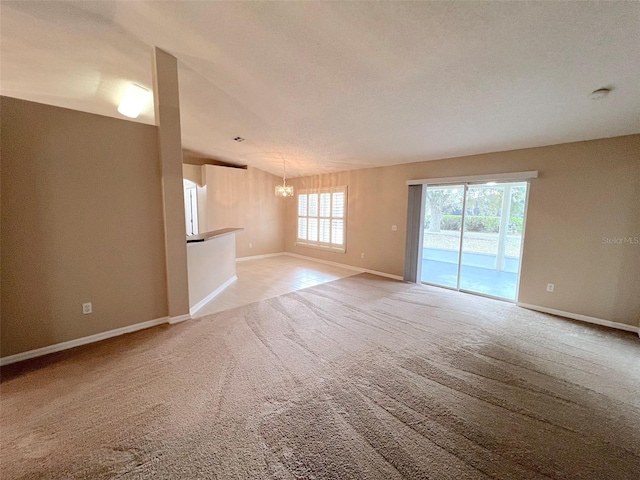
[[322, 218]]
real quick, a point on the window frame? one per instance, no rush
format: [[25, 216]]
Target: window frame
[[326, 246]]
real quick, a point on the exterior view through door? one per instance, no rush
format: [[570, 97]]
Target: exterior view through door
[[472, 237]]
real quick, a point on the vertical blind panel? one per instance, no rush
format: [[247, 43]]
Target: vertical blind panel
[[415, 227], [313, 229], [325, 204], [313, 205], [337, 232], [338, 205], [302, 205], [325, 230], [302, 228]]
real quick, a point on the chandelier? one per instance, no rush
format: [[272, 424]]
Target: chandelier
[[284, 190]]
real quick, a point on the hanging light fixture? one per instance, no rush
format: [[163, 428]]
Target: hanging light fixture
[[284, 190]]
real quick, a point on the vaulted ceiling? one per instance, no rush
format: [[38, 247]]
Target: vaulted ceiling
[[335, 86]]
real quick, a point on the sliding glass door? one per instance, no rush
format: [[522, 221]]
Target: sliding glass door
[[473, 237]]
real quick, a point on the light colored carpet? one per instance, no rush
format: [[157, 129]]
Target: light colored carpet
[[361, 378]]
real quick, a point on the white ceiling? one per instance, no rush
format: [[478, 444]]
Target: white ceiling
[[334, 86]]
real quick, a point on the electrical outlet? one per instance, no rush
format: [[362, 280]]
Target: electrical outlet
[[394, 228], [550, 287], [87, 308], [251, 245], [362, 255]]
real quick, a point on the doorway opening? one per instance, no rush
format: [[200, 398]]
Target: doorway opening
[[190, 207], [472, 237]]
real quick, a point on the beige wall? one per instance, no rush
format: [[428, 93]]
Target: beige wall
[[245, 199], [585, 191], [81, 222], [193, 173], [211, 264]]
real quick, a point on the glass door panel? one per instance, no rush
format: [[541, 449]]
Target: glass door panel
[[492, 237], [515, 228], [442, 233]]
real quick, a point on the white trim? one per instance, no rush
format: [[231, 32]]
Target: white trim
[[38, 352], [212, 295], [179, 318], [465, 191], [582, 318], [344, 265], [326, 248], [326, 262], [18, 357], [522, 238], [257, 257], [496, 177]]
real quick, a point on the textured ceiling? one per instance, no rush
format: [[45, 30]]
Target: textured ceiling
[[334, 86]]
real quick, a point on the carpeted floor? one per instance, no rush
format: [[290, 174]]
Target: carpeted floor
[[361, 378]]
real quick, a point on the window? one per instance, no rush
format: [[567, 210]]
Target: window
[[190, 207], [321, 218]]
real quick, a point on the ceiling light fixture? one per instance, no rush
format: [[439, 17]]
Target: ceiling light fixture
[[600, 93], [135, 99], [239, 139], [284, 190]]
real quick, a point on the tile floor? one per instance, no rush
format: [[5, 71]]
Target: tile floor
[[269, 277]]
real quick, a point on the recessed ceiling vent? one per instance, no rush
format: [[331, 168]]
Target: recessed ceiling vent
[[239, 139]]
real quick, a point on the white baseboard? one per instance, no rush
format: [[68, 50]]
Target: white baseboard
[[345, 266], [582, 318], [211, 296], [257, 257], [326, 262], [38, 352], [179, 318]]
